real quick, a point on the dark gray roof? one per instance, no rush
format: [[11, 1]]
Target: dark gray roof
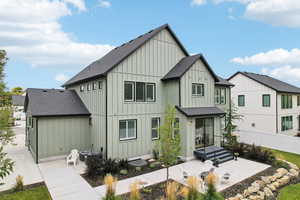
[[102, 66], [223, 82], [200, 111], [18, 100], [184, 65], [54, 102], [270, 82]]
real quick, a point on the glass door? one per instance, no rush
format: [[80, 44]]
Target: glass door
[[204, 135]]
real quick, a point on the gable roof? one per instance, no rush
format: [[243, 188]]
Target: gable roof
[[102, 66], [184, 65], [200, 111], [54, 102], [18, 100], [223, 82], [270, 82]]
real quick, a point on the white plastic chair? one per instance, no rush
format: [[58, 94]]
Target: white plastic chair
[[73, 157]]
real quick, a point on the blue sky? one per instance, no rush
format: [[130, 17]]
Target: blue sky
[[50, 41]]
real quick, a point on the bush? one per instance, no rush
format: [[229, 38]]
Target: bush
[[123, 164], [110, 183], [19, 186], [94, 165], [110, 166], [281, 164]]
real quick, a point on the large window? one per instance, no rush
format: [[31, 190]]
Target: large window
[[286, 123], [129, 91], [139, 91], [197, 89], [286, 101], [127, 129], [220, 95], [266, 100], [155, 124], [241, 100]]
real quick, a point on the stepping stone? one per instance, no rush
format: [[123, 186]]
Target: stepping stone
[[138, 163]]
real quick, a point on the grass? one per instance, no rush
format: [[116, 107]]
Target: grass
[[291, 192], [291, 157], [37, 193]]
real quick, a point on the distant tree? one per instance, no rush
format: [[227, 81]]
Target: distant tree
[[6, 133], [17, 91], [232, 116], [169, 143]]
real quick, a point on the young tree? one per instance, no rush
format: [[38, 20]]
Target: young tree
[[232, 116], [6, 134], [169, 143]]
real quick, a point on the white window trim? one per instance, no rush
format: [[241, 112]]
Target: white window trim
[[81, 88], [158, 134], [133, 91], [94, 86], [88, 87], [202, 86], [128, 138], [153, 94]]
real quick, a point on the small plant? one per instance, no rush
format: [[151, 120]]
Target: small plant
[[134, 191], [94, 166], [123, 171], [110, 166], [211, 193], [110, 183], [19, 186], [172, 191], [123, 164], [191, 192]]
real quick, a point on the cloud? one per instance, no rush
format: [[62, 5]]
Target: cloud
[[276, 57], [285, 73], [61, 78], [198, 2], [30, 31], [104, 4]]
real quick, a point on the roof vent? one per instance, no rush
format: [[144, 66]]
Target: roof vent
[[61, 91], [44, 90]]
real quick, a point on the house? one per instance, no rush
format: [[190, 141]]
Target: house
[[117, 103], [18, 107], [267, 104]]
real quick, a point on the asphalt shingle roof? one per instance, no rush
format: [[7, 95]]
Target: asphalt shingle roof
[[18, 100], [223, 82], [102, 66], [200, 111], [270, 82], [54, 102]]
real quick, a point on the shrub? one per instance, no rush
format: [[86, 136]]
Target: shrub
[[172, 191], [211, 193], [93, 166], [281, 164], [110, 166], [110, 183], [259, 154], [191, 192], [19, 186], [134, 191], [123, 164]]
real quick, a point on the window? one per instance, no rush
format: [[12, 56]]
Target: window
[[155, 124], [88, 87], [241, 100], [197, 89], [176, 126], [81, 88], [139, 91], [266, 100], [298, 100], [286, 101], [94, 85], [150, 92], [127, 129], [99, 85], [129, 91], [29, 122], [220, 95], [286, 123]]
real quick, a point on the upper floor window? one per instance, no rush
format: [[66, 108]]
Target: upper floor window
[[266, 100], [155, 124], [286, 101], [176, 126], [197, 89], [94, 85], [139, 91], [127, 129], [298, 100], [220, 95], [88, 87], [241, 100], [81, 88], [286, 123], [100, 85]]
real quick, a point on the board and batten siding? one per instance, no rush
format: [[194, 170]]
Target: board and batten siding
[[198, 73], [59, 135], [95, 101], [148, 64], [31, 136], [225, 106]]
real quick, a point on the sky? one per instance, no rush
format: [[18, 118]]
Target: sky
[[49, 41]]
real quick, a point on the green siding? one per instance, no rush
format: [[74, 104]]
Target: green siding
[[59, 135]]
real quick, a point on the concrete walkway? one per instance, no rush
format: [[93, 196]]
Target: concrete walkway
[[239, 171], [67, 184]]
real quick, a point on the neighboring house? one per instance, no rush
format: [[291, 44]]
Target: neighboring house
[[267, 104], [125, 94], [18, 107]]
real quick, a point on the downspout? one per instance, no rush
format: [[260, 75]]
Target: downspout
[[179, 92], [276, 112], [37, 141], [106, 122]]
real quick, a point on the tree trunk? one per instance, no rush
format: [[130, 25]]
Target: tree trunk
[[167, 173]]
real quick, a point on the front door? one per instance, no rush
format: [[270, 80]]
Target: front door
[[204, 135]]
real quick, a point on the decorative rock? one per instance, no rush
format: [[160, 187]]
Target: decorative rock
[[123, 172], [255, 186], [272, 178], [293, 166], [266, 179], [284, 180], [268, 192], [138, 169], [253, 189], [261, 195], [271, 187], [282, 171], [294, 172]]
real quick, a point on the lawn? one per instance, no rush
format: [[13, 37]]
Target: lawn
[[291, 157], [291, 192], [37, 193]]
